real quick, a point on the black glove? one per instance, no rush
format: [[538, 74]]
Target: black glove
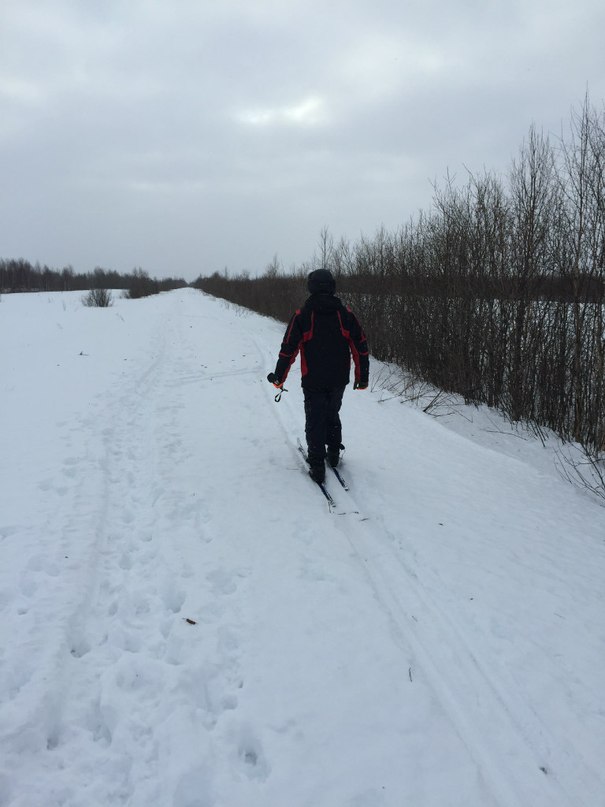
[[360, 385], [273, 379]]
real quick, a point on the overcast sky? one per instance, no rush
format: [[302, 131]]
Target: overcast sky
[[185, 136]]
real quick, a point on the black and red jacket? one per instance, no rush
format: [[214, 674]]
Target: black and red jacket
[[327, 334]]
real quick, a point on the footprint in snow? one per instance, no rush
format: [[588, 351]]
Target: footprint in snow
[[28, 585], [225, 582], [195, 789], [79, 648], [221, 581], [127, 640], [174, 600], [9, 529], [125, 562], [127, 517], [251, 755]]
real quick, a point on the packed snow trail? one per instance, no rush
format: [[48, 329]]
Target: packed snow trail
[[185, 624]]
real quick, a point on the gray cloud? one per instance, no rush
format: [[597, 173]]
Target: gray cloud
[[184, 137]]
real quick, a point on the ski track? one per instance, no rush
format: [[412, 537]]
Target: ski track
[[150, 652]]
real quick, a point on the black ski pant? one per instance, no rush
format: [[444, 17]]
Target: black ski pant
[[322, 421]]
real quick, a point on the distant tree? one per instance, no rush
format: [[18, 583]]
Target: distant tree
[[326, 248], [67, 277], [141, 285], [273, 269]]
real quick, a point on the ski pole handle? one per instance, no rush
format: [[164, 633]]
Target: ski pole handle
[[273, 379]]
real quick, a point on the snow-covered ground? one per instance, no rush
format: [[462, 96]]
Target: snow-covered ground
[[184, 624]]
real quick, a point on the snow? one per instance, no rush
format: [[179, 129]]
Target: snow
[[184, 624]]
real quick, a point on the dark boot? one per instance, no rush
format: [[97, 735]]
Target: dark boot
[[317, 468], [334, 455]]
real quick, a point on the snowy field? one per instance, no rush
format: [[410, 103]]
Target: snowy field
[[185, 624]]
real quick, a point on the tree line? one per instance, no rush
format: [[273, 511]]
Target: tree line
[[497, 293], [21, 276]]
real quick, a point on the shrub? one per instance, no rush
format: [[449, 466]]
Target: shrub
[[98, 298]]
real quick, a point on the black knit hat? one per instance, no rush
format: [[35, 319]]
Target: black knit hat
[[321, 281]]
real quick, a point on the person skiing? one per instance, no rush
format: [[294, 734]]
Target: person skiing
[[327, 334]]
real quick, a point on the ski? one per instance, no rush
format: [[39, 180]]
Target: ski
[[320, 485], [326, 493], [332, 505], [340, 477]]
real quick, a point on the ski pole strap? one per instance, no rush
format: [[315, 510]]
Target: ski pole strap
[[273, 379]]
